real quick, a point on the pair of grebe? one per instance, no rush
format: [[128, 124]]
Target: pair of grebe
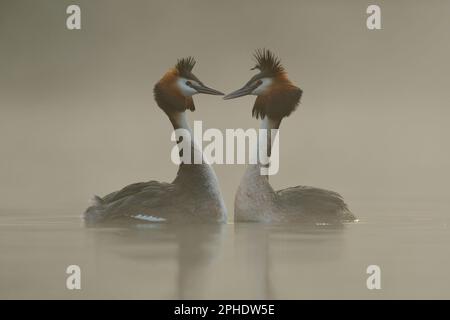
[[194, 195]]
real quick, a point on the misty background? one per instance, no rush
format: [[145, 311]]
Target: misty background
[[77, 115]]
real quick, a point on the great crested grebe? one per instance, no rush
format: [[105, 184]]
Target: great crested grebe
[[255, 199], [194, 195]]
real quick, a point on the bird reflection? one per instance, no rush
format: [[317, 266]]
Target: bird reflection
[[213, 261], [193, 246], [265, 248]]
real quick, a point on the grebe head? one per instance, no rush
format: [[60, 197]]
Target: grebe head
[[173, 93], [277, 97]]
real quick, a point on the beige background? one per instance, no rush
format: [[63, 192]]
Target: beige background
[[78, 117]]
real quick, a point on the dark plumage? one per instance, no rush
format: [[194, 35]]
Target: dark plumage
[[316, 204], [278, 103], [267, 63], [185, 66]]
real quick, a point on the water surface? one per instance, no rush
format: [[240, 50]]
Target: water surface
[[232, 261]]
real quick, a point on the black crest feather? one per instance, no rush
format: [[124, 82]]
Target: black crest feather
[[185, 65], [266, 61]]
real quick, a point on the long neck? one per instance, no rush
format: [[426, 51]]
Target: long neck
[[269, 124], [193, 167], [268, 141], [255, 189], [179, 121], [185, 137], [198, 179]]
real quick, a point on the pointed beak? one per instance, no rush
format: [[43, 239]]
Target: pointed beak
[[244, 91], [201, 88]]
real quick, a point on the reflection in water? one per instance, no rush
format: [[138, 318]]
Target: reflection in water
[[231, 261], [258, 244], [197, 248]]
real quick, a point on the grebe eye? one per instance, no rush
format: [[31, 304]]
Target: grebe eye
[[188, 83]]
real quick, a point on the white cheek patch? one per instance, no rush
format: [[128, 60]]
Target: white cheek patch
[[266, 82], [184, 88]]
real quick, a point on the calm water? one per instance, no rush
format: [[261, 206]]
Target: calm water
[[230, 261]]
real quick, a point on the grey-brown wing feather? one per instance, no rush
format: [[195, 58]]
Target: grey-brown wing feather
[[143, 198], [314, 202], [126, 191]]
